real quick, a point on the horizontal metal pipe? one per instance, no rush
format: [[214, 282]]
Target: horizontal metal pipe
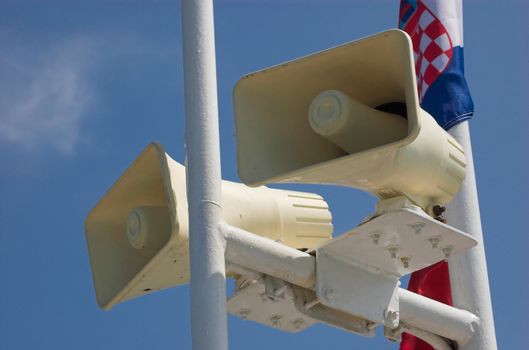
[[275, 259], [266, 256], [435, 341], [433, 316]]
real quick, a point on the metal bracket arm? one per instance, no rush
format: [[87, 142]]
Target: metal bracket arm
[[299, 268]]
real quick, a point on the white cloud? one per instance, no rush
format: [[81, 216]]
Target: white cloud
[[45, 94]]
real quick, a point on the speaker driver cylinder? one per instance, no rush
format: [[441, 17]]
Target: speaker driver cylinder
[[352, 125]]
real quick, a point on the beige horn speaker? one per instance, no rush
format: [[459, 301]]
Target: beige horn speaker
[[137, 234], [350, 116]]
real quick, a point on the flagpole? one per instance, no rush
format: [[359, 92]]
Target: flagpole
[[430, 23], [468, 271], [207, 244]]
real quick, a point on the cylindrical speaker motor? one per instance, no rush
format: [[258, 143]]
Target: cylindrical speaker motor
[[352, 125]]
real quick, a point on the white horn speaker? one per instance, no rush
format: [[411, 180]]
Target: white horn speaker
[[350, 116], [137, 234]]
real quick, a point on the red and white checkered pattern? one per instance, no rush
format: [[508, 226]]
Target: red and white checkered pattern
[[432, 47]]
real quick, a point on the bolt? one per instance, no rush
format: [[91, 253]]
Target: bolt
[[391, 318], [438, 212], [298, 322], [243, 313], [275, 320], [405, 261], [393, 251], [434, 241], [447, 251], [418, 226], [375, 237], [328, 293]]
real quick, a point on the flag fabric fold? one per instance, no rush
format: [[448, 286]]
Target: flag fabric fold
[[435, 27], [436, 30]]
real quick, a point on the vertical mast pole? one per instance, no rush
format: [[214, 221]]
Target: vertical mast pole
[[468, 271], [207, 244]]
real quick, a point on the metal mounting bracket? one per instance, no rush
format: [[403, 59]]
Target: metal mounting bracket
[[269, 301], [358, 272], [281, 305]]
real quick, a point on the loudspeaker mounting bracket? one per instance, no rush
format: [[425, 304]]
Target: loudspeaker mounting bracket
[[359, 271]]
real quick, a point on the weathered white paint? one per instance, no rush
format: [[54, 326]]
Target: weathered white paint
[[435, 341], [299, 268], [435, 317], [271, 258], [468, 271], [207, 244]]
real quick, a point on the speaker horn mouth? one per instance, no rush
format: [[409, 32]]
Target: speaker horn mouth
[[131, 227]]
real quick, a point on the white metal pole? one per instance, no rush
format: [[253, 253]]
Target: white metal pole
[[435, 317], [207, 244], [468, 271]]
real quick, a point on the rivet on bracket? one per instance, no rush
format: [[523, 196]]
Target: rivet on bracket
[[393, 250], [434, 241], [275, 320], [405, 261], [328, 293], [298, 322], [243, 313], [418, 226], [447, 251], [375, 236]]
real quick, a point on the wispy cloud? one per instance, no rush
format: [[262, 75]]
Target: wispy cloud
[[45, 94]]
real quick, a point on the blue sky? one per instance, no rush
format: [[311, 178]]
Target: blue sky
[[85, 85]]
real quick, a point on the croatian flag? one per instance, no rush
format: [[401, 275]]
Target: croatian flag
[[436, 30]]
